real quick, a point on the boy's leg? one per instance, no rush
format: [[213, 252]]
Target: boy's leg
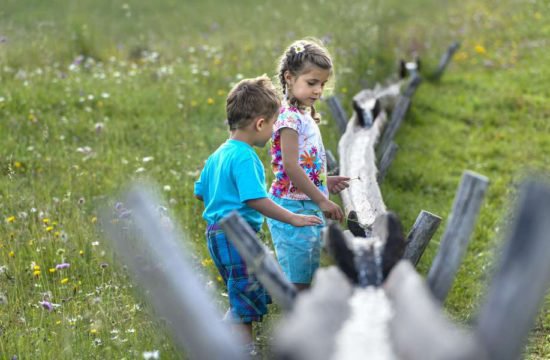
[[247, 298]]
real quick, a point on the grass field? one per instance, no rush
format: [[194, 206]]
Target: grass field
[[94, 94]]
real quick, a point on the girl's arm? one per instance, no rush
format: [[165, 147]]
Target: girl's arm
[[290, 153], [270, 209]]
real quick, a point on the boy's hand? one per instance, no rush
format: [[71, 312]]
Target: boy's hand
[[305, 220], [337, 183], [331, 210]]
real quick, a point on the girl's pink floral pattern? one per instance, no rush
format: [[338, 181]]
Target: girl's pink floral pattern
[[312, 156]]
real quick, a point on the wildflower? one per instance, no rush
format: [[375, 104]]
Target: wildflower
[[36, 273], [219, 278], [56, 234], [93, 219], [10, 219], [51, 270], [147, 159], [298, 48], [81, 252], [81, 201], [480, 49], [95, 243], [93, 331], [46, 305], [46, 221], [210, 101], [11, 254], [62, 266], [104, 265], [147, 355], [207, 262], [49, 228], [64, 281], [167, 188]]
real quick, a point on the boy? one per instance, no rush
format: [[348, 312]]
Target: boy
[[233, 179]]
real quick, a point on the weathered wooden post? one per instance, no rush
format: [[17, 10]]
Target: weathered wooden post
[[332, 164], [445, 60], [338, 112], [158, 262], [398, 114], [419, 329], [424, 228], [386, 160], [308, 332], [521, 280], [455, 240], [259, 260]]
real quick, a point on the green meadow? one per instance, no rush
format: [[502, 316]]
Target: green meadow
[[96, 94]]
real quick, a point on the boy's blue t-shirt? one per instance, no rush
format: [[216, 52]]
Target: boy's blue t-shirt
[[232, 175]]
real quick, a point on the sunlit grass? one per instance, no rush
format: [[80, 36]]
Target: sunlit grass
[[95, 94]]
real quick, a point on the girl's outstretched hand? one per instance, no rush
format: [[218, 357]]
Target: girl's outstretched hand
[[337, 183], [305, 220], [331, 210]]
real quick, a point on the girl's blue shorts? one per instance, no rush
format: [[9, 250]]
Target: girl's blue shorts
[[298, 249]]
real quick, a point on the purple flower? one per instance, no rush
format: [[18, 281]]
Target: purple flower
[[62, 266], [46, 305]]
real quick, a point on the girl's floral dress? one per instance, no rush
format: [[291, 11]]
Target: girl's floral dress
[[311, 158]]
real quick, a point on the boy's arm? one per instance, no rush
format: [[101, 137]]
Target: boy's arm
[[271, 210]]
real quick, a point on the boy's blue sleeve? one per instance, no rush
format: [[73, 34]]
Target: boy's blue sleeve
[[250, 179], [198, 190]]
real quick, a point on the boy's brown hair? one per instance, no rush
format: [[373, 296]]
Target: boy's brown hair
[[249, 99]]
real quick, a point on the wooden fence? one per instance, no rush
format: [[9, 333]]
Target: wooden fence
[[372, 303]]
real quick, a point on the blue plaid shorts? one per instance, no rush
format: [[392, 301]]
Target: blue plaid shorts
[[247, 297]]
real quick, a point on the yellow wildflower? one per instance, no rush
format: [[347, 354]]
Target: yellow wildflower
[[207, 262], [10, 219], [58, 322], [46, 221], [56, 234], [219, 278], [93, 220], [11, 254], [210, 101], [52, 270], [49, 228], [64, 281], [36, 267], [36, 273], [81, 252], [480, 49], [93, 331]]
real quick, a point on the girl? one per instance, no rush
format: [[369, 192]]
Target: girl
[[298, 161]]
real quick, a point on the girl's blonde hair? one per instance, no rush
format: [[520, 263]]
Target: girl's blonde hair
[[296, 59]]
